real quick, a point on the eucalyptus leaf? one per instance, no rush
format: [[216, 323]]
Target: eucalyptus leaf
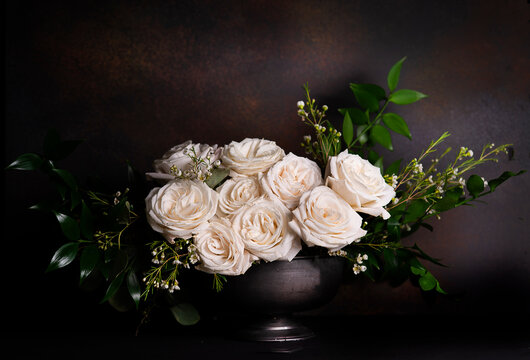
[[381, 135], [68, 225], [405, 96], [218, 175], [185, 314], [347, 129], [475, 185], [396, 123], [90, 257], [27, 161], [63, 256], [427, 281], [394, 73]]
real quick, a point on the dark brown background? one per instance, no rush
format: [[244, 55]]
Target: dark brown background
[[133, 78]]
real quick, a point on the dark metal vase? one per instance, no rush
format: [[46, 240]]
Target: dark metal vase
[[271, 292]]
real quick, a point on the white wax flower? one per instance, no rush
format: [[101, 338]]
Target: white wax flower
[[221, 250], [251, 156], [177, 157], [237, 192], [359, 183], [289, 178], [324, 219], [180, 208], [263, 226]]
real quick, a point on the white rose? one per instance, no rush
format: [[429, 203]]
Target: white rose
[[221, 250], [263, 226], [180, 208], [178, 157], [251, 156], [359, 183], [237, 192], [324, 219], [289, 178]]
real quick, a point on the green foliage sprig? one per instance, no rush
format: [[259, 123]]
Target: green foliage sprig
[[421, 193]]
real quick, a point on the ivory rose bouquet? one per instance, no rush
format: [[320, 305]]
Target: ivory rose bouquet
[[223, 210]]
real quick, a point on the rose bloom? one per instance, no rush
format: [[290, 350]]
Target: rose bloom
[[237, 192], [251, 156], [177, 157], [263, 226], [221, 250], [180, 208], [289, 178], [324, 219], [359, 183]]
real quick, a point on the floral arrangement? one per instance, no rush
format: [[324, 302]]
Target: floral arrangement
[[222, 210]]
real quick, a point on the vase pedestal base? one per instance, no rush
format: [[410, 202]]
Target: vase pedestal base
[[277, 328]]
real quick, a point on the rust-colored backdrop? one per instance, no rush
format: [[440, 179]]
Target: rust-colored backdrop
[[133, 78]]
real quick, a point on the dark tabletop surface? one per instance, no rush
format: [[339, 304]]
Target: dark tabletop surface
[[353, 337]]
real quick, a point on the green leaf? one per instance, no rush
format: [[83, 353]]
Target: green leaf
[[63, 256], [393, 168], [397, 124], [505, 176], [439, 289], [415, 210], [185, 314], [87, 222], [218, 175], [88, 261], [361, 138], [69, 226], [113, 287], [382, 136], [424, 255], [27, 161], [390, 258], [393, 74], [67, 177], [347, 129], [134, 287], [377, 91], [418, 270], [404, 97], [427, 281], [475, 185], [55, 149], [357, 116], [366, 99], [449, 201]]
